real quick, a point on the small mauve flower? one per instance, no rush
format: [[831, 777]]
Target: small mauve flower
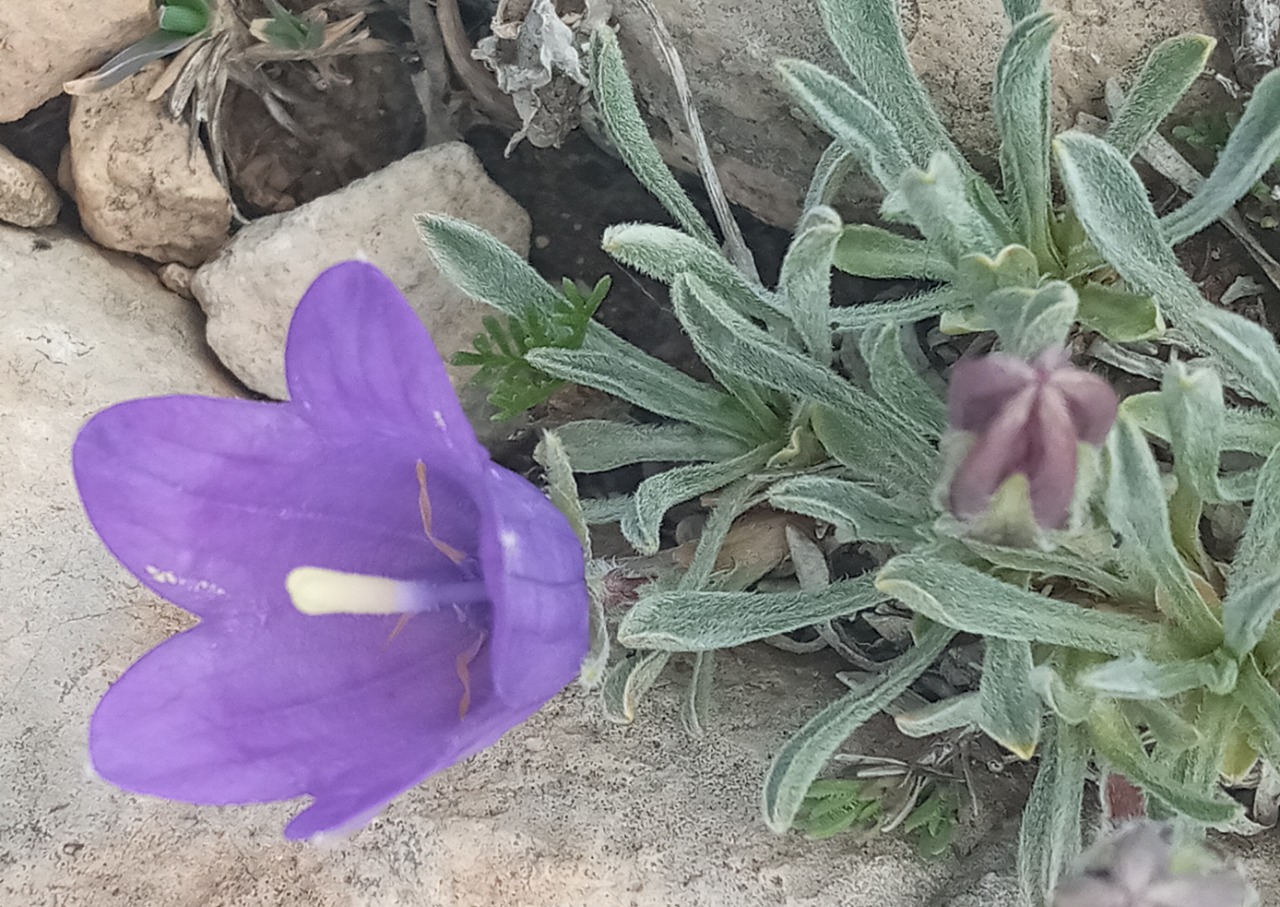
[[444, 595], [1028, 418]]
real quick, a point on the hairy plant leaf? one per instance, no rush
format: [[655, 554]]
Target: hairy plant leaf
[[1119, 316], [797, 764], [1258, 554], [868, 36], [1066, 701], [950, 714], [1138, 677], [866, 250], [936, 201], [697, 699], [1049, 838], [897, 382], [562, 488], [616, 103], [899, 311], [1118, 741], [1247, 612], [1165, 77], [1022, 118], [728, 341], [659, 493], [1252, 149], [832, 169], [627, 681], [857, 512], [1262, 702], [1009, 711], [970, 600], [598, 445], [695, 621], [852, 120], [484, 268], [805, 281]]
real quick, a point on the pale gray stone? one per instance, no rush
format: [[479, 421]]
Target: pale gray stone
[[250, 289], [136, 183], [27, 199], [44, 43]]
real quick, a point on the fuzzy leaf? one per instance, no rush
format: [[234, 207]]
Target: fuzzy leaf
[[1252, 149], [616, 103], [805, 281], [727, 341], [851, 119], [868, 36], [1258, 554], [1247, 612], [659, 493], [562, 489], [693, 621], [485, 269], [598, 445], [1009, 709], [832, 169], [1049, 838], [951, 714], [972, 601], [697, 699], [1119, 316], [866, 250], [898, 383], [1263, 705], [627, 681], [797, 764], [1165, 77], [1138, 677], [936, 200], [1022, 117], [899, 311], [1194, 413], [857, 512]]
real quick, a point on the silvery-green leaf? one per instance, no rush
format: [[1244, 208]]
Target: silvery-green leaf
[[970, 600], [1009, 710], [850, 119], [805, 280], [664, 254], [1049, 836], [598, 445], [697, 698], [727, 341], [1194, 414], [1248, 611], [1061, 561], [1119, 316], [561, 486], [857, 512], [485, 269], [1138, 677], [868, 36], [659, 493], [730, 504], [936, 200], [797, 764], [897, 382], [1252, 430], [608, 363], [155, 46], [626, 683], [1022, 117], [616, 104], [1165, 77], [832, 169], [598, 511], [696, 621], [938, 717], [899, 311], [1017, 10], [1263, 705], [1252, 148], [1069, 703], [866, 250], [1258, 554], [596, 661], [1118, 741], [1175, 733], [1246, 351], [1029, 322], [1136, 509]]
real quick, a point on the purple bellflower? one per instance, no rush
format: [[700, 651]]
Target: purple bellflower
[[377, 599], [1027, 419]]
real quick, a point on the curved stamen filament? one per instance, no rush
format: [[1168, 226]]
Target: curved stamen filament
[[316, 590]]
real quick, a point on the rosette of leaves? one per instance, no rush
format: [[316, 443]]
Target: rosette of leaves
[[1120, 642]]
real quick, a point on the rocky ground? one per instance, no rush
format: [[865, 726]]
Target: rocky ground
[[125, 274]]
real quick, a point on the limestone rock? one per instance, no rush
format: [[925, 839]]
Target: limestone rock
[[26, 197], [46, 43], [250, 289], [137, 186], [766, 154]]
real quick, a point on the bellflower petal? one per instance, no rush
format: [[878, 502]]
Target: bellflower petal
[[371, 470], [1027, 419]]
